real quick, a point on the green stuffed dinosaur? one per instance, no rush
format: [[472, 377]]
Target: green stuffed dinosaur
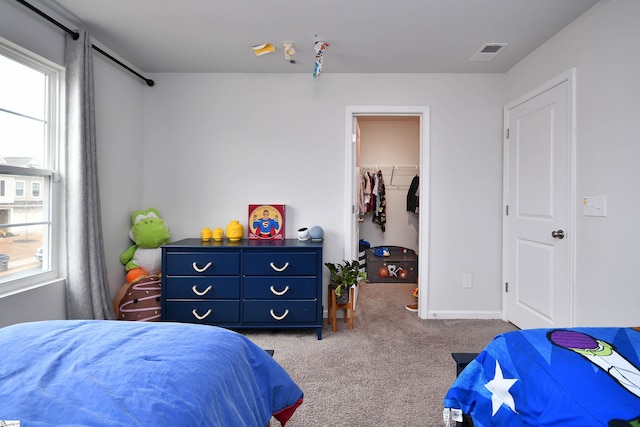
[[148, 232]]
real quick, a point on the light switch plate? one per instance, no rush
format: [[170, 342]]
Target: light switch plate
[[594, 206]]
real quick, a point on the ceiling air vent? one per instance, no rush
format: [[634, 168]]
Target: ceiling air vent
[[488, 51]]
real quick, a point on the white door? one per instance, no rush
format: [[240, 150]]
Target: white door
[[538, 221]]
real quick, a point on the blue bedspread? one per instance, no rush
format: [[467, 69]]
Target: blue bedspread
[[116, 373], [553, 377]]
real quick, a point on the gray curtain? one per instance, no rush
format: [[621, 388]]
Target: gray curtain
[[87, 288]]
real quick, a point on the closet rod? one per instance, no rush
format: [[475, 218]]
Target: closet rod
[[75, 37]]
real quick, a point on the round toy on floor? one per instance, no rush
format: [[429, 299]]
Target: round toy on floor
[[139, 300]]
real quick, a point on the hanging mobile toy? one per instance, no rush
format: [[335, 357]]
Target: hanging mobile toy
[[262, 49], [289, 51], [319, 48]]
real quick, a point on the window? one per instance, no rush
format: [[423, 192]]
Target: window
[[30, 103], [19, 188], [35, 190]]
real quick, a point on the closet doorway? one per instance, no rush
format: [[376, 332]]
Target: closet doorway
[[398, 172]]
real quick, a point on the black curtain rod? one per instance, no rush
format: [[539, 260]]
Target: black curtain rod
[[76, 36]]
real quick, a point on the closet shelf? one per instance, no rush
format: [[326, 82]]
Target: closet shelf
[[401, 175]]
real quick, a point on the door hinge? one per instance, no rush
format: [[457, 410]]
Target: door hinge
[[506, 287], [507, 133], [506, 210]]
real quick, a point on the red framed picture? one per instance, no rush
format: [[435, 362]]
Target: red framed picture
[[266, 222]]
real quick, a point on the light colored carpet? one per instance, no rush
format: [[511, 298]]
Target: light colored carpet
[[392, 369]]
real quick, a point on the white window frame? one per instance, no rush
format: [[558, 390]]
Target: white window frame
[[53, 269]]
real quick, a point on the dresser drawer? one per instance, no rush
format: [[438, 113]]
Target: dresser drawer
[[209, 312], [203, 263], [266, 287], [212, 287], [280, 263], [280, 312]]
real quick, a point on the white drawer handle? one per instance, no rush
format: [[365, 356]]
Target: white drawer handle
[[286, 312], [200, 270], [279, 293], [197, 292], [204, 316], [279, 269]]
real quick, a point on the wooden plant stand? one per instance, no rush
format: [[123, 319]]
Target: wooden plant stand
[[333, 308]]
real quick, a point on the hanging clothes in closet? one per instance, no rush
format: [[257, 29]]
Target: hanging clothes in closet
[[413, 198], [372, 198], [363, 195], [380, 209], [373, 192], [366, 198]]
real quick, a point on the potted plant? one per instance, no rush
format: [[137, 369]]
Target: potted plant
[[342, 276]]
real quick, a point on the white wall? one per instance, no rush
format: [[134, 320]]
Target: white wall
[[603, 47], [218, 142]]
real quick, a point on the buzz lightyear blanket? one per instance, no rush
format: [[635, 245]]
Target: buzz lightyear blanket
[[552, 377]]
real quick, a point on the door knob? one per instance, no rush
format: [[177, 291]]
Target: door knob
[[558, 234]]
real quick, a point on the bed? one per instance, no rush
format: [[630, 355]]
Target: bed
[[551, 377], [118, 373]]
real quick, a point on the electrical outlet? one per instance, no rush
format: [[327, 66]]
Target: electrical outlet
[[467, 281]]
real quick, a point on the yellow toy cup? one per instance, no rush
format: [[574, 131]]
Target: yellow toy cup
[[205, 234], [218, 234]]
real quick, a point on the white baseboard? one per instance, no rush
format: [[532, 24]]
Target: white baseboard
[[487, 315]]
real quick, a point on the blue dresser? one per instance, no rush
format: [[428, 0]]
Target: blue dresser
[[269, 284]]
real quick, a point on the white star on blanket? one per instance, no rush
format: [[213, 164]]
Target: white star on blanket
[[499, 388]]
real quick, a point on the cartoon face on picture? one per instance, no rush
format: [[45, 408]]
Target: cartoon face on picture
[[264, 222]]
